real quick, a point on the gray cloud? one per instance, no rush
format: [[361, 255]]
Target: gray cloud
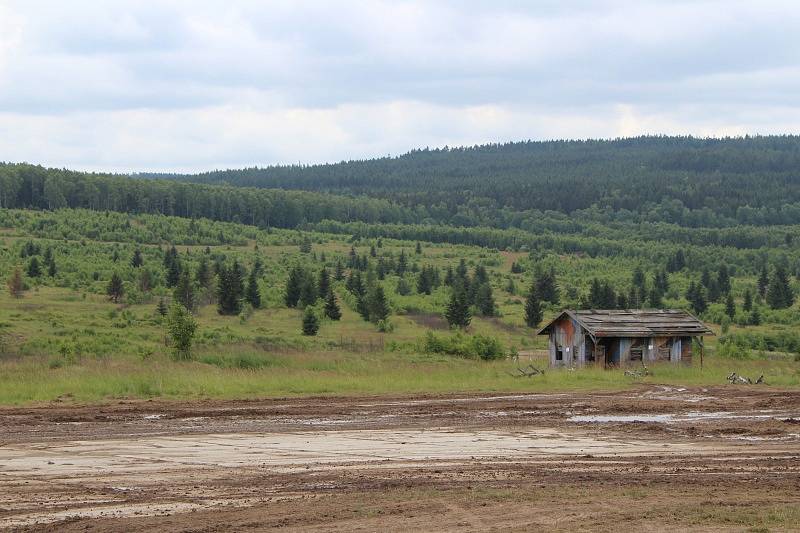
[[128, 85]]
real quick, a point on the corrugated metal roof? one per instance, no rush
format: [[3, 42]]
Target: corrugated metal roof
[[635, 322]]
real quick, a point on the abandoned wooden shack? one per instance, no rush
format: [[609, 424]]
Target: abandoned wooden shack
[[622, 337]]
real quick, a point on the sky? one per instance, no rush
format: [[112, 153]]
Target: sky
[[185, 86]]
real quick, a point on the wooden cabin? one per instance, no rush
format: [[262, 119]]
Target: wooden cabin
[[622, 337]]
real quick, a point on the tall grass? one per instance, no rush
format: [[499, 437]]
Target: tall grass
[[255, 374]]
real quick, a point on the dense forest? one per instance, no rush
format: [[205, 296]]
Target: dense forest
[[683, 180]]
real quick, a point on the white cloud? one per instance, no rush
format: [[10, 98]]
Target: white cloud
[[127, 85]]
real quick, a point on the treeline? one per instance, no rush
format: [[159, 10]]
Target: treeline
[[702, 182], [34, 187]]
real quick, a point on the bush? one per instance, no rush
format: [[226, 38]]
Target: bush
[[472, 347]]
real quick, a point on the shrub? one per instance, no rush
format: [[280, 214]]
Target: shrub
[[472, 347]]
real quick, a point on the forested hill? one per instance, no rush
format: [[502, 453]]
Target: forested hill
[[721, 175]]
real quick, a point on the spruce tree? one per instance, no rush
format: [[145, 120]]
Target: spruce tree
[[763, 281], [418, 248], [730, 306], [137, 260], [308, 290], [747, 305], [403, 288], [203, 273], [779, 292], [293, 286], [332, 309], [51, 268], [310, 322], [547, 287], [115, 289], [755, 317], [402, 263], [324, 283], [34, 270], [378, 305], [230, 289], [338, 273], [723, 280], [484, 300], [161, 307], [533, 309], [253, 294], [184, 291], [457, 313]]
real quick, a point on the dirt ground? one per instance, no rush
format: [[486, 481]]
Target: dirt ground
[[656, 458]]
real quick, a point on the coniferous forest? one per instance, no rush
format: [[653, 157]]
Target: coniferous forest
[[461, 253]]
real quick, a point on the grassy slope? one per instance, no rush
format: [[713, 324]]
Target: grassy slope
[[64, 338]]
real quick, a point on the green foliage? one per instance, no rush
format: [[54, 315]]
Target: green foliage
[[468, 346], [779, 293], [457, 313], [181, 328], [332, 310], [533, 309], [115, 288], [310, 322]]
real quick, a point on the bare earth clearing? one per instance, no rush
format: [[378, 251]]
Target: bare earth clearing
[[655, 458]]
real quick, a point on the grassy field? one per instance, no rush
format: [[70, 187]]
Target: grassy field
[[64, 338]]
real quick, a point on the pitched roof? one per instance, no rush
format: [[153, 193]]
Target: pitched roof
[[635, 323]]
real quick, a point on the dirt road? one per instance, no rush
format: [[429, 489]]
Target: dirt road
[[653, 459]]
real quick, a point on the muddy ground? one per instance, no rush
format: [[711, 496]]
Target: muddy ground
[[657, 458]]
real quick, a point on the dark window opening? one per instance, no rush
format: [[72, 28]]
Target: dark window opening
[[559, 353]]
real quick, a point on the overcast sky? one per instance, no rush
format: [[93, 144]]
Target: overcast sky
[[197, 85]]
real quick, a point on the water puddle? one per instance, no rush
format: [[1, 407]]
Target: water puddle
[[673, 418]]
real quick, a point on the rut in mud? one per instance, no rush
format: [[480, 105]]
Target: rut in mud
[[555, 461]]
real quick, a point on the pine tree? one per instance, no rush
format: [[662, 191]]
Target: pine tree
[[763, 281], [308, 290], [730, 306], [403, 288], [723, 280], [172, 265], [338, 273], [52, 270], [484, 300], [378, 305], [230, 289], [16, 286], [402, 263], [332, 309], [293, 286], [655, 298], [457, 313], [695, 293], [755, 317], [137, 260], [115, 288], [533, 310], [324, 283], [547, 287], [184, 291], [161, 307], [747, 305], [253, 294], [34, 270], [418, 248], [310, 322], [203, 273], [779, 292]]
